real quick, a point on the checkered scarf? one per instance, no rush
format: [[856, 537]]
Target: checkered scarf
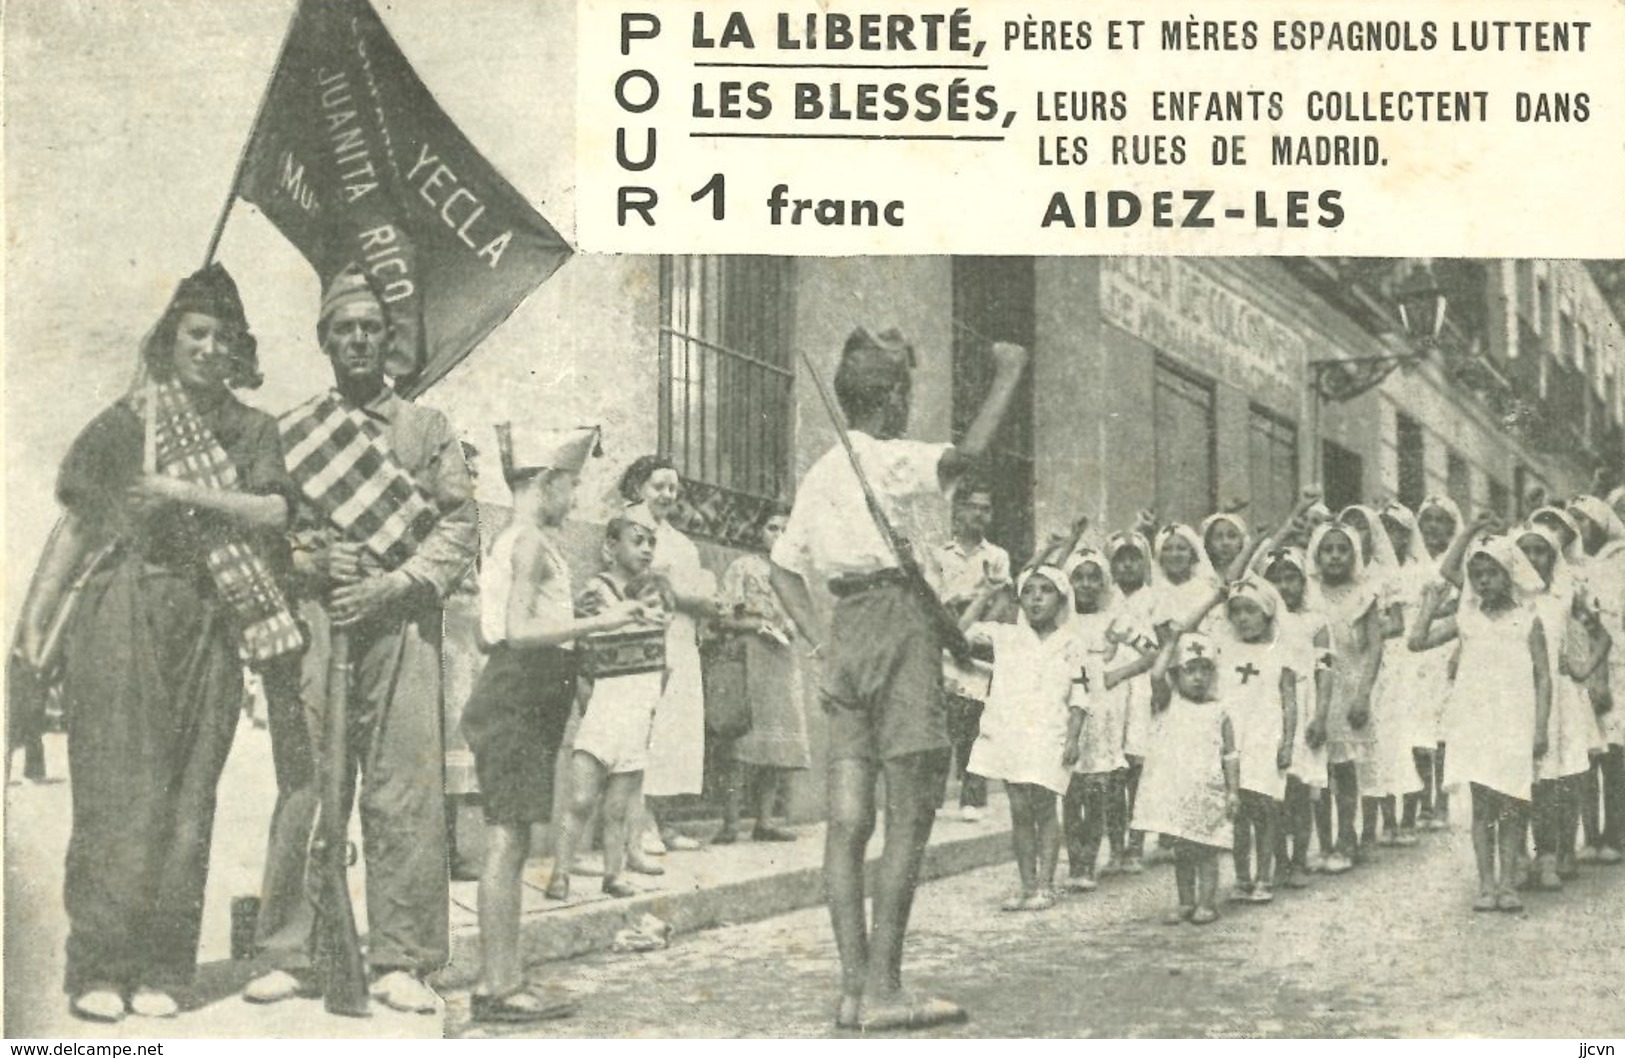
[[183, 447], [345, 468]]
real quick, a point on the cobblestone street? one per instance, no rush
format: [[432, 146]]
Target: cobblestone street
[[1391, 949]]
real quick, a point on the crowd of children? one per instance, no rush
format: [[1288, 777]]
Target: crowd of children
[[1289, 697]]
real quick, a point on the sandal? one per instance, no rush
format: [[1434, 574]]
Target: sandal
[[1179, 915], [642, 866], [1508, 901], [908, 1014], [620, 889], [1017, 902], [1042, 900], [1204, 916], [558, 887], [1484, 902], [518, 1008]]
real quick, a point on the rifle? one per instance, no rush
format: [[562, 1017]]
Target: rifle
[[336, 947], [942, 620]]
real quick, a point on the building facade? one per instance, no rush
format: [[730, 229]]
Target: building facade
[[1177, 385]]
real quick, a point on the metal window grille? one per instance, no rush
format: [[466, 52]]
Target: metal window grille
[[727, 372], [1273, 465]]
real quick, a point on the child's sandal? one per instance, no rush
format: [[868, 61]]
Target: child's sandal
[[1039, 901]]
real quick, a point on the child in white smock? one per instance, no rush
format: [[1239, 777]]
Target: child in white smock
[[1023, 735]]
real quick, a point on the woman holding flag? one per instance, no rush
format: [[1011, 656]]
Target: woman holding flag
[[173, 497]]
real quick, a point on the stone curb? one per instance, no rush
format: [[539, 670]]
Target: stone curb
[[589, 928]]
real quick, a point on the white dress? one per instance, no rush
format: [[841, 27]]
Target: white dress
[[1490, 720], [1182, 792], [1101, 740], [1298, 631], [1023, 729], [1250, 692], [1396, 707], [1432, 676], [1572, 729], [1343, 607], [1604, 578], [677, 747], [1131, 617]]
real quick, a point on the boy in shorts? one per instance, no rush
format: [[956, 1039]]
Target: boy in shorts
[[516, 716], [881, 662]]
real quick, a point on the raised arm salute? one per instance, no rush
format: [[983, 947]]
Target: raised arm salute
[[880, 654]]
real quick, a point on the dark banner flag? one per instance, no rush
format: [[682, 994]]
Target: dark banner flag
[[353, 160]]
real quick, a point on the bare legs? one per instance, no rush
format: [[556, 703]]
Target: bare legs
[[1255, 829], [1499, 825], [872, 958], [1196, 877], [1091, 810], [1035, 835], [506, 847], [590, 780]]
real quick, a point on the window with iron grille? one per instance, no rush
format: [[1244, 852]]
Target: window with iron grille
[[1272, 466], [1413, 478], [727, 375]]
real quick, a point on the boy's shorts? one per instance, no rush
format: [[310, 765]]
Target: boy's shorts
[[882, 679], [514, 723]]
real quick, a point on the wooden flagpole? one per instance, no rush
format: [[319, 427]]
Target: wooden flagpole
[[248, 141]]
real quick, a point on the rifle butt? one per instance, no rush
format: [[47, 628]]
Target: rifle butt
[[344, 970]]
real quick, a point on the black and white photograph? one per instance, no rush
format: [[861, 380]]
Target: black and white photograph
[[423, 625]]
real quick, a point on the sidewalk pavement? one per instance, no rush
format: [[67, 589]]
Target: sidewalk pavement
[[718, 885], [37, 822]]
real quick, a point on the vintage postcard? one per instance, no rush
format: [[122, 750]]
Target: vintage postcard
[[612, 519]]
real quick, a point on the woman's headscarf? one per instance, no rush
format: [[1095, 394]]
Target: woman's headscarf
[[1201, 567], [1126, 538], [1292, 556], [1062, 584], [1231, 517], [1398, 512], [1382, 549], [1504, 551], [1441, 503], [1574, 552], [1598, 511], [1088, 556], [1312, 553], [1257, 589], [1562, 573]]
